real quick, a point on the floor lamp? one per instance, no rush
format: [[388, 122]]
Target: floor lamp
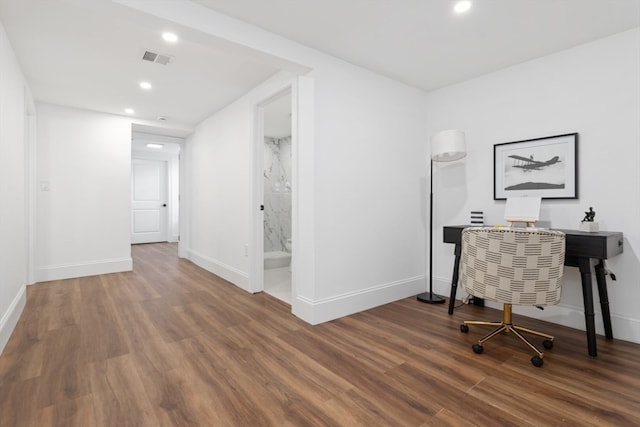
[[446, 146]]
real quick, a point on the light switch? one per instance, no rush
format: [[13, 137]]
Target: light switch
[[44, 185]]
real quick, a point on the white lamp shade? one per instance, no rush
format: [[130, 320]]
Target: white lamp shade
[[448, 145]]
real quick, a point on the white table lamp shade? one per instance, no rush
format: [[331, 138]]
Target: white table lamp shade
[[448, 145]]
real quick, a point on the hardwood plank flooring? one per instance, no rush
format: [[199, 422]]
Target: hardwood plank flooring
[[170, 344]]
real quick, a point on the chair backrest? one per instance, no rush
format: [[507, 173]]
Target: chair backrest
[[513, 266]]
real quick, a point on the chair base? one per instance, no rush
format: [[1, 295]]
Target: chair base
[[507, 326]]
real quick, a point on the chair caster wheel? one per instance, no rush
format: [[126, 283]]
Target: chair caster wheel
[[537, 361], [477, 348], [464, 328], [548, 344]]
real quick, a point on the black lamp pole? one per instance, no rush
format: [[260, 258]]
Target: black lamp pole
[[430, 297]]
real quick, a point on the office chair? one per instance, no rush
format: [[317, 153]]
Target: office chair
[[512, 266]]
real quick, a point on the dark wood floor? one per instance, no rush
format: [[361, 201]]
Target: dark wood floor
[[170, 344]]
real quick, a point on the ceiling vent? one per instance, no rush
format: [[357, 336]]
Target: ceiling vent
[[158, 58]]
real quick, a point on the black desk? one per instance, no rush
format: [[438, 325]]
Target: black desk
[[581, 248]]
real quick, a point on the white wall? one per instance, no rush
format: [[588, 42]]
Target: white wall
[[219, 171], [593, 89], [14, 213], [368, 191], [361, 187], [83, 219], [371, 190]]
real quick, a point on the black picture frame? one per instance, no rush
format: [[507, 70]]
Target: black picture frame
[[544, 167]]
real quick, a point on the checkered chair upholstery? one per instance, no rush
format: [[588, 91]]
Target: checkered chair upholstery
[[513, 266]]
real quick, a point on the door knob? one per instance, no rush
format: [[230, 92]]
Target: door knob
[[164, 205]]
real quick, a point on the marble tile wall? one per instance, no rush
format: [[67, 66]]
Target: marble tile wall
[[277, 193]]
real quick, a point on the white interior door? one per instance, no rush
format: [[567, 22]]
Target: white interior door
[[149, 201]]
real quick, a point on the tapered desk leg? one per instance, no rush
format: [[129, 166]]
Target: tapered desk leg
[[587, 294], [457, 251], [604, 299]]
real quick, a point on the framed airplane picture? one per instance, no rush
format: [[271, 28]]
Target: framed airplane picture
[[542, 167]]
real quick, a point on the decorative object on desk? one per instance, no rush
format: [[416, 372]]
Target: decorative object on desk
[[446, 146], [587, 223], [543, 167], [589, 215], [477, 218]]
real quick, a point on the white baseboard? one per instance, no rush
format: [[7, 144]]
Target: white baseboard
[[324, 310], [69, 271], [10, 317], [624, 328], [231, 274]]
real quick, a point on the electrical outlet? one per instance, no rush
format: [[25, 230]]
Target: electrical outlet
[[246, 250]]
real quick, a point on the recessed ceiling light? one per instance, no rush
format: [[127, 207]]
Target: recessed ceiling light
[[170, 37], [129, 110], [145, 85], [151, 145], [462, 6]]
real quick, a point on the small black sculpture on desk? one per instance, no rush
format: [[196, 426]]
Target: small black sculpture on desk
[[587, 223], [589, 215]]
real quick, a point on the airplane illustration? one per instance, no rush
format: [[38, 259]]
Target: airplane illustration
[[528, 164]]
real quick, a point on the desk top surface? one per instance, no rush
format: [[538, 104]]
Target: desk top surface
[[598, 244]]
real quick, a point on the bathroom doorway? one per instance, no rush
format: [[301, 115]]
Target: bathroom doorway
[[277, 198]]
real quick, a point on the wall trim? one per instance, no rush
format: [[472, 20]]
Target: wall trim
[[326, 309], [10, 318], [230, 274], [91, 268]]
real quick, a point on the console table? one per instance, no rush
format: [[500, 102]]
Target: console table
[[580, 248]]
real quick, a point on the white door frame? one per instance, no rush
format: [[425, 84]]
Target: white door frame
[[184, 196], [256, 254], [302, 197], [31, 174], [176, 197]]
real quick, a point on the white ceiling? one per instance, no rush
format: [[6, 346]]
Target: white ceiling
[[424, 43], [87, 53]]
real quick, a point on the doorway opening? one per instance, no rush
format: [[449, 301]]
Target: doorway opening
[[155, 184], [277, 198]]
